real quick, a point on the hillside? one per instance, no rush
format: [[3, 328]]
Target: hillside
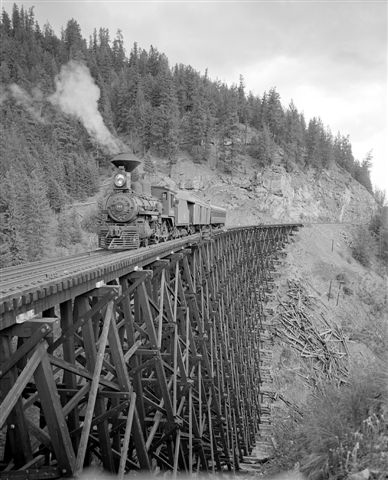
[[272, 194], [330, 335], [67, 105]]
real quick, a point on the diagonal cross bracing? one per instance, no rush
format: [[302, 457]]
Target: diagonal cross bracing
[[157, 369]]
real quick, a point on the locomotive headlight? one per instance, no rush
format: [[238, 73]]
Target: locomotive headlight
[[120, 180]]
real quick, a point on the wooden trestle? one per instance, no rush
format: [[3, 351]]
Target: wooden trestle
[[157, 369]]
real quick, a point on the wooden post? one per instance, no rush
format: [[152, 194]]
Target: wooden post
[[93, 390], [128, 430]]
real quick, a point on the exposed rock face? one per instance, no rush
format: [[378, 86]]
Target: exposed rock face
[[273, 194]]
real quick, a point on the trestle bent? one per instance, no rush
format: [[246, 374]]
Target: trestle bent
[[150, 360]]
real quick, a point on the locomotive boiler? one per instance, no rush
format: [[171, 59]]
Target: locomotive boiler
[[132, 217]]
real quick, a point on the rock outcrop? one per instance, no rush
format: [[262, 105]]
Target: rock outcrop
[[272, 194]]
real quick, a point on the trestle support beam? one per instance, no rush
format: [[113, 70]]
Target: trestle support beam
[[159, 369]]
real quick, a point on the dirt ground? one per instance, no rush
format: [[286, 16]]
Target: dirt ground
[[321, 258], [290, 475], [347, 295]]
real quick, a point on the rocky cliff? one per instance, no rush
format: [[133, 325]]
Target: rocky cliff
[[272, 194]]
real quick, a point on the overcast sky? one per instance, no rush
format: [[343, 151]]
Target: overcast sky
[[330, 57]]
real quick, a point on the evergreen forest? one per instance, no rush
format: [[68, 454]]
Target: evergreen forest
[[48, 160]]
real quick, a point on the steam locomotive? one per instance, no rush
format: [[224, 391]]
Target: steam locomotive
[[134, 215]]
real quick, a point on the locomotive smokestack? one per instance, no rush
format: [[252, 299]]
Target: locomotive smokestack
[[127, 161]]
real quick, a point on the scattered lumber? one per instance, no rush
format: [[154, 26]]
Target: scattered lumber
[[300, 323]]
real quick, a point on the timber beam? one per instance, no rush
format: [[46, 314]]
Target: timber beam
[[153, 367]]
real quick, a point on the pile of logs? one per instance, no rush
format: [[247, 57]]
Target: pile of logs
[[299, 322]]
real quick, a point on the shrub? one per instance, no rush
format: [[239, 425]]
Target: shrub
[[286, 437], [343, 430], [91, 220], [348, 290], [69, 229], [363, 246]]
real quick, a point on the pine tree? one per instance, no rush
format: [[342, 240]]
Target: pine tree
[[15, 218], [254, 111], [242, 104], [122, 104], [69, 229], [262, 148], [75, 45], [104, 105], [118, 52], [313, 143], [326, 148], [16, 21], [6, 259], [343, 155], [228, 128], [51, 44], [104, 57], [362, 172], [133, 55], [5, 25], [264, 110], [142, 116], [164, 131], [275, 116], [164, 128], [36, 231], [294, 136]]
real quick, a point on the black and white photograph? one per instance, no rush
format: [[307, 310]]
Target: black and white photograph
[[194, 239]]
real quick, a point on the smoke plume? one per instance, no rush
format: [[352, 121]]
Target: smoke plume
[[32, 103], [77, 94]]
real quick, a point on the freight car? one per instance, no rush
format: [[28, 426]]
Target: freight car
[[132, 217]]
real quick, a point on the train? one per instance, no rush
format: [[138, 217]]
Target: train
[[135, 214]]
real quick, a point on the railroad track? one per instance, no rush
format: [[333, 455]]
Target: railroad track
[[22, 286], [20, 277], [40, 285], [45, 269]]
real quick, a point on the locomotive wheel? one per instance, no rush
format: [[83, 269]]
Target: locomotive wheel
[[164, 233], [155, 238]]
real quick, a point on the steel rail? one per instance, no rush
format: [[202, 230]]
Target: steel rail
[[31, 266], [46, 269]]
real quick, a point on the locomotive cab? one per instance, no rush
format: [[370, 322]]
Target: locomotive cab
[[167, 197]]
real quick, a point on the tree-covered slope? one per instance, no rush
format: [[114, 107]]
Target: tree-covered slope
[[50, 152]]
